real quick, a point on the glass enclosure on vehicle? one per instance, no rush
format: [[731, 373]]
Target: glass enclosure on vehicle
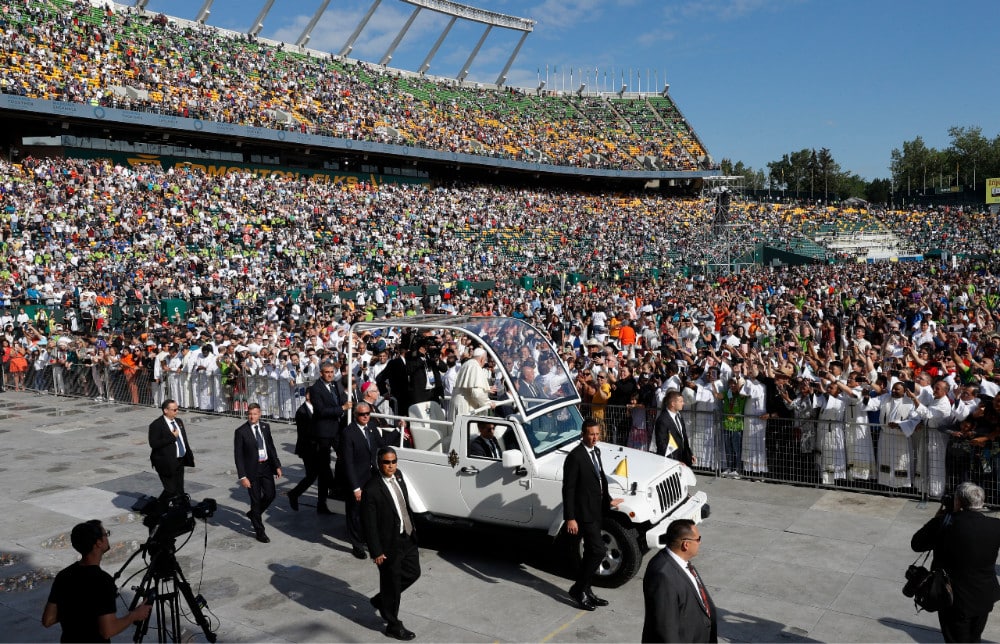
[[511, 344], [550, 431]]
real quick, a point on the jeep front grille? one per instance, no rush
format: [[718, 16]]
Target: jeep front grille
[[669, 491]]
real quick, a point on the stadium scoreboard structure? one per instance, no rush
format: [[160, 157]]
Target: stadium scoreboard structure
[[993, 191]]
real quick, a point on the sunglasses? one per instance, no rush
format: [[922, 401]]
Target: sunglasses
[[363, 413], [392, 462]]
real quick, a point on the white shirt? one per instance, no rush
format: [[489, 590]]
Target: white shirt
[[180, 436], [391, 484], [687, 571]]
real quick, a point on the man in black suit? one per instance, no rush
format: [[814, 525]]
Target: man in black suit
[[308, 450], [678, 606], [257, 465], [525, 382], [392, 540], [171, 451], [585, 501], [423, 374], [358, 446], [329, 413], [485, 445], [965, 544], [393, 384], [671, 432]]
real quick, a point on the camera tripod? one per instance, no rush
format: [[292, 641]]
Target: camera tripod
[[162, 586]]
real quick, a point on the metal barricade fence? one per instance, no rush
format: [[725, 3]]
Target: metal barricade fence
[[836, 454], [839, 454], [227, 395]]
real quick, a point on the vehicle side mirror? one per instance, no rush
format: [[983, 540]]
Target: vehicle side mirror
[[512, 459]]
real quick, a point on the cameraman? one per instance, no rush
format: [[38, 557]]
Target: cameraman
[[965, 543], [82, 598]]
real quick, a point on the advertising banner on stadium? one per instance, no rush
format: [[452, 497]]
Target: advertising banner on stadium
[[216, 167], [993, 191]]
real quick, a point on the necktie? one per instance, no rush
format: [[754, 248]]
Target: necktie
[[368, 436], [181, 450], [495, 447], [701, 589], [404, 514], [258, 436], [597, 465]]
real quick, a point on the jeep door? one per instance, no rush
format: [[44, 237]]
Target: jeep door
[[492, 492]]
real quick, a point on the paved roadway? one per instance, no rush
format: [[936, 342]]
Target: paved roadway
[[782, 563]]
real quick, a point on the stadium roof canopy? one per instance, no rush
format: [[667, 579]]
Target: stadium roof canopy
[[456, 10]]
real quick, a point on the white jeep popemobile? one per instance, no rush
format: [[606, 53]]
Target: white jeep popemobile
[[523, 488]]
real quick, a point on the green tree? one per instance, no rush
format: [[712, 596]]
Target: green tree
[[968, 149], [828, 170], [877, 191]]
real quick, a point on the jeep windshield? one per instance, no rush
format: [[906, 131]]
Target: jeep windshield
[[555, 429], [532, 374]]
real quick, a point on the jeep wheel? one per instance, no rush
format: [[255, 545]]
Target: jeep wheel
[[623, 557]]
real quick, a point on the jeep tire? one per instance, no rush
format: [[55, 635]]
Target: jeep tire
[[623, 557]]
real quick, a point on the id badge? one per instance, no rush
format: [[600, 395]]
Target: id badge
[[261, 455]]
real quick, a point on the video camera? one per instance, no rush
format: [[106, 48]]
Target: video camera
[[178, 518]]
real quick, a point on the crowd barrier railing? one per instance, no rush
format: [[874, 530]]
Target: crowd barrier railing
[[215, 393], [836, 454]]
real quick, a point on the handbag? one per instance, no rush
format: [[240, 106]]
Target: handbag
[[930, 589]]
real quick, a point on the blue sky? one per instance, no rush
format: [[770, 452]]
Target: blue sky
[[756, 78]]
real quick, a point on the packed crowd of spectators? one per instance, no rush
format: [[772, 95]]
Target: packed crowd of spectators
[[252, 257], [117, 57]]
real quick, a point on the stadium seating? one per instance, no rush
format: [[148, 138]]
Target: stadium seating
[[63, 50]]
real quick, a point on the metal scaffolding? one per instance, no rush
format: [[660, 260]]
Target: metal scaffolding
[[725, 239]]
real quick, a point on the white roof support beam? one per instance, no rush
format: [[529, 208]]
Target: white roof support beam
[[502, 78], [437, 45], [475, 52], [307, 32], [258, 22], [204, 12], [399, 37], [349, 45]]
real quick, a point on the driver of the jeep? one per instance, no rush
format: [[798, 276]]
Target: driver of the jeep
[[485, 445]]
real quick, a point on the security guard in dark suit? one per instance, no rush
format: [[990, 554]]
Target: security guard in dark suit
[[585, 501]]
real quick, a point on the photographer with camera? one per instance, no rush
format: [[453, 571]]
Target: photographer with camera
[[965, 543], [82, 598]]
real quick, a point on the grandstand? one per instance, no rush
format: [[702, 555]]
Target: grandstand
[[128, 64], [458, 181]]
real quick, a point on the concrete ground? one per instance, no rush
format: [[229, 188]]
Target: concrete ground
[[782, 563]]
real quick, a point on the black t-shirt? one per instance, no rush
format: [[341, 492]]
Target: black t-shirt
[[83, 593]]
